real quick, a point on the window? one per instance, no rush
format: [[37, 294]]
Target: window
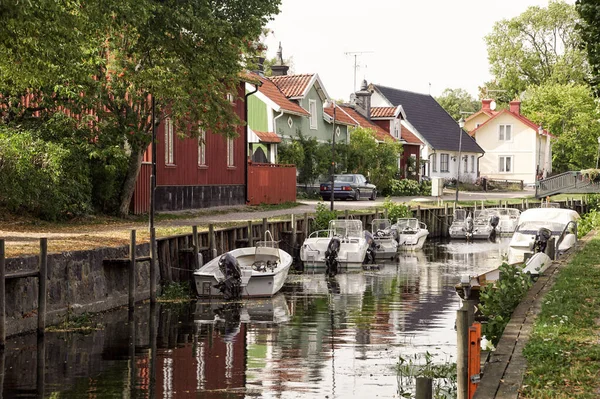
[[505, 132], [444, 161], [472, 163], [230, 154], [230, 98], [396, 128], [312, 109], [434, 163], [201, 147], [505, 164], [466, 163], [169, 141]]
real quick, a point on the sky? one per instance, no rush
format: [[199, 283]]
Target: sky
[[423, 46]]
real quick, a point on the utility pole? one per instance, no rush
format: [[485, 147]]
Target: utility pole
[[355, 54]]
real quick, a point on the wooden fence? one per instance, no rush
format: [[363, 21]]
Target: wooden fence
[[271, 183]]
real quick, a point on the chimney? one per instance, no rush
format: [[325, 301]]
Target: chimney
[[279, 68], [515, 107], [363, 100], [485, 104]]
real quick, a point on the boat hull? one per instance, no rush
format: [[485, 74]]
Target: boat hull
[[412, 242], [351, 254]]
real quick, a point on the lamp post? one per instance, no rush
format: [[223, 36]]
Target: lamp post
[[461, 124], [326, 105]]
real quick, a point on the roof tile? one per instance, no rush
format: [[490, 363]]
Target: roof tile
[[270, 90], [292, 85], [383, 112]]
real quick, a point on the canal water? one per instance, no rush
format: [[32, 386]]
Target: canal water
[[318, 338]]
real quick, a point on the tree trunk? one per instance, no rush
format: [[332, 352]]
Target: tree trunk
[[133, 169]]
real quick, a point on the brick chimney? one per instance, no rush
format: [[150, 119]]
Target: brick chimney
[[362, 100], [515, 107], [279, 68], [485, 104]]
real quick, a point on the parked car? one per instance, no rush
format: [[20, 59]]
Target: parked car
[[353, 186]]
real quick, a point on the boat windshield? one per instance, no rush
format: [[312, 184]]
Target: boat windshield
[[533, 227], [408, 223], [460, 215], [380, 224], [346, 228], [481, 217]]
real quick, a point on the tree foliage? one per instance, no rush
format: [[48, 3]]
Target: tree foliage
[[589, 28], [112, 56], [569, 112], [540, 45], [456, 100]]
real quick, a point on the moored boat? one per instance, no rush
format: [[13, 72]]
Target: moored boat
[[385, 240], [411, 234]]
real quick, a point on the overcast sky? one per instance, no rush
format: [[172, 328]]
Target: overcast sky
[[408, 45]]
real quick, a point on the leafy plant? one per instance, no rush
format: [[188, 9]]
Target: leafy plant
[[443, 376], [176, 292], [323, 216], [395, 210], [405, 187], [499, 300], [588, 222]]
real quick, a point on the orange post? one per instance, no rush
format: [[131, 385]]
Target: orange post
[[474, 367]]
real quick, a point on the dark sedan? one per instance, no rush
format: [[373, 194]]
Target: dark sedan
[[353, 186]]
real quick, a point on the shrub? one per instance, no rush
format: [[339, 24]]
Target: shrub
[[47, 180], [425, 188], [395, 210], [405, 187], [324, 215]]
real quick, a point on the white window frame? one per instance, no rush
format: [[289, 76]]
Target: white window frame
[[472, 163], [201, 147], [445, 157], [231, 98], [312, 109], [466, 164], [169, 142], [502, 164], [230, 152], [434, 163], [396, 128], [505, 132]]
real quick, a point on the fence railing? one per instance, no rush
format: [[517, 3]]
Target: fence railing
[[568, 182]]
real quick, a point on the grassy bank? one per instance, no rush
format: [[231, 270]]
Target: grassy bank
[[563, 353]]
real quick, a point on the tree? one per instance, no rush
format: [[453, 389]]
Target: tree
[[185, 54], [540, 45], [377, 161], [569, 112], [456, 100], [589, 28]]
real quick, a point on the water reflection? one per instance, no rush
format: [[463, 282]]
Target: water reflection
[[338, 337]]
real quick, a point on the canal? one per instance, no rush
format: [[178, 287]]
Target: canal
[[325, 338]]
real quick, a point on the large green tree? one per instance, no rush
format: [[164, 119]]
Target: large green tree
[[185, 54], [589, 28], [455, 101], [569, 112], [540, 45]]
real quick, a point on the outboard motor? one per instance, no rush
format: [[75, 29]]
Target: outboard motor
[[541, 240], [371, 248], [469, 227], [231, 285], [331, 256], [494, 221]]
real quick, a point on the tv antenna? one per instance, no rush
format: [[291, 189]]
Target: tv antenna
[[356, 54]]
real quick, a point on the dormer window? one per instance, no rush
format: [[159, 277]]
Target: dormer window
[[312, 109], [396, 128]]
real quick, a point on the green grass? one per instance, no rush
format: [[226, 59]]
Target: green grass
[[563, 353], [83, 323], [176, 292]]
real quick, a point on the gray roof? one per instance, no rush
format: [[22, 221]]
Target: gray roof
[[430, 120]]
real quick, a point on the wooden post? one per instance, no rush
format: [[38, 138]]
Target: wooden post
[[346, 214], [376, 213], [41, 367], [462, 348], [153, 265], [212, 241], [42, 286], [385, 213], [196, 248], [526, 203], [132, 359], [305, 227], [474, 358], [446, 222], [294, 235], [152, 366], [2, 301], [132, 270], [264, 228], [424, 388], [250, 237], [419, 212]]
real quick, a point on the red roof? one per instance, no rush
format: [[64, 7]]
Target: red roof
[[515, 115], [383, 112], [340, 116], [268, 137], [363, 122], [292, 85], [270, 90], [409, 137]]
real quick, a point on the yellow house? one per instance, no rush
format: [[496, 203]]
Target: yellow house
[[515, 147]]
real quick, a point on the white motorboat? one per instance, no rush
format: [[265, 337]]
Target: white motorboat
[[385, 238], [561, 223], [349, 245], [483, 226], [411, 234], [508, 218], [458, 228], [258, 271]]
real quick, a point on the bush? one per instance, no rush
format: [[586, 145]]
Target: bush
[[405, 187], [44, 179], [324, 215], [425, 188], [396, 210]]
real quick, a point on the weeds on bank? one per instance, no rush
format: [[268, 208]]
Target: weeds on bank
[[411, 367], [83, 323], [176, 292], [563, 353]]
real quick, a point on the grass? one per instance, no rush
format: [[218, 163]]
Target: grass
[[563, 353], [176, 292], [83, 323]]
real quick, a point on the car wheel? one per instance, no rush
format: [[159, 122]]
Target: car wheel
[[356, 195], [373, 195]]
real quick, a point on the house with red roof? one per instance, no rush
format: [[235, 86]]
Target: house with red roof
[[515, 147]]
